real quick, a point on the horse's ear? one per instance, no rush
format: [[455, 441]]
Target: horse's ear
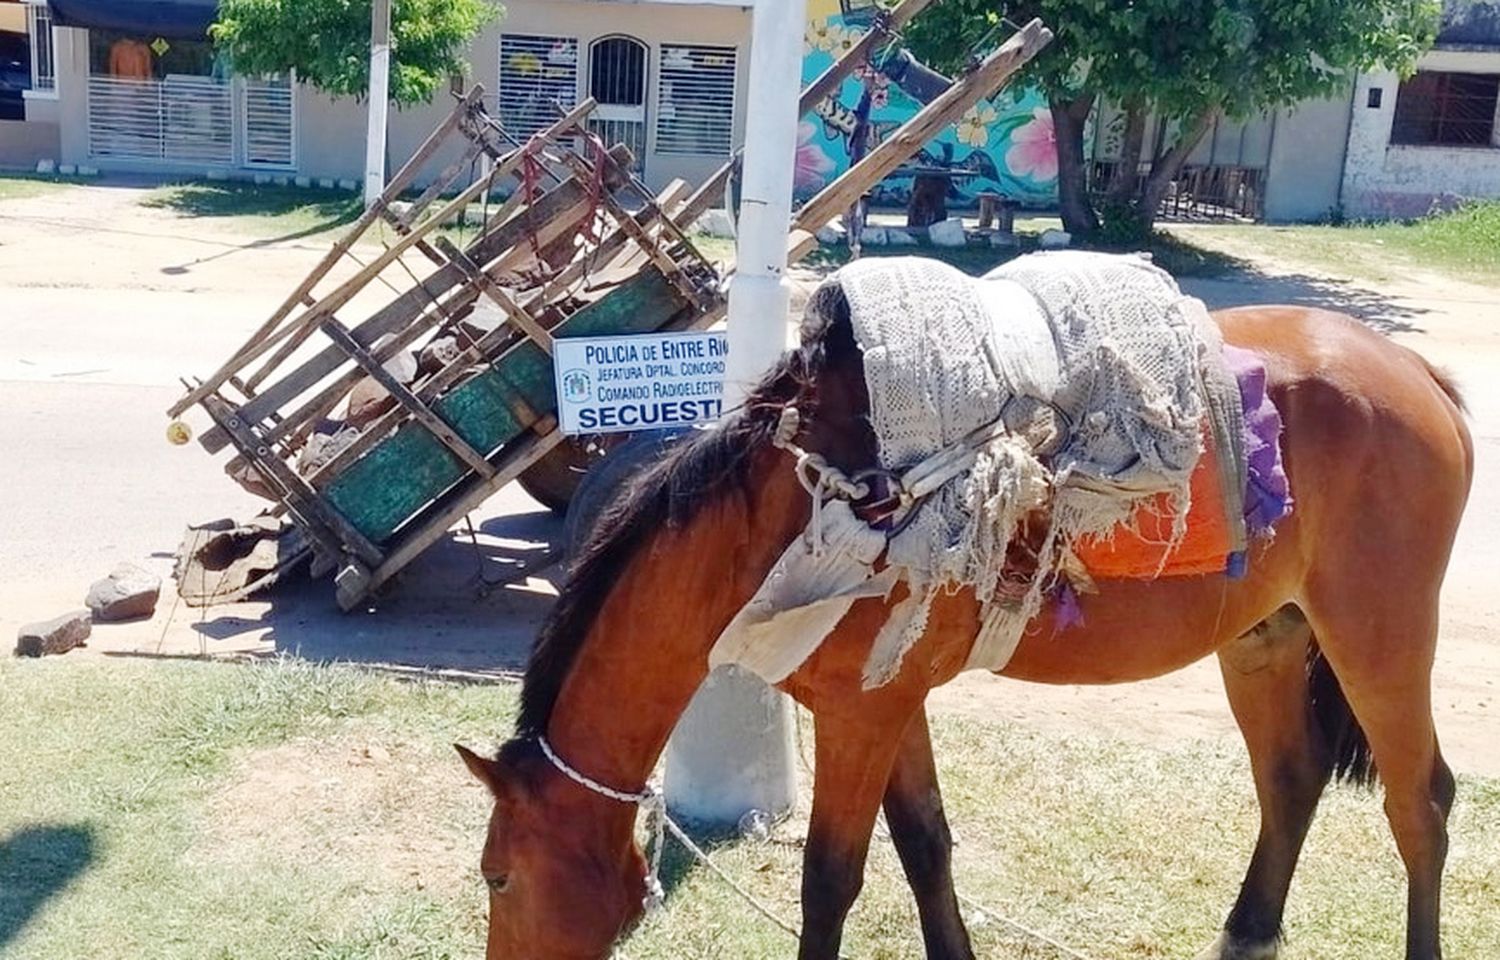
[[485, 770]]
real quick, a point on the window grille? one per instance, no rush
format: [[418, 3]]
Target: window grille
[[537, 74], [695, 100], [43, 60], [1456, 109]]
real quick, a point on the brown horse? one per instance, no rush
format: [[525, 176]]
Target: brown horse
[[1326, 648]]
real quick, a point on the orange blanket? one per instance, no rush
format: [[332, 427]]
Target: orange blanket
[[1138, 553]]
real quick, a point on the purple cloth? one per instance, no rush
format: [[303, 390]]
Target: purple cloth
[[1268, 497]]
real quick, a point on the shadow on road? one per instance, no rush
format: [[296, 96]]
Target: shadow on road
[[463, 604], [36, 863], [1247, 285]]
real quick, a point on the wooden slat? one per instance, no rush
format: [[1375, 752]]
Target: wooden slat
[[414, 408], [302, 293], [525, 321], [984, 81]]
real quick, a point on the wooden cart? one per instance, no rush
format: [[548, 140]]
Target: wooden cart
[[579, 248]]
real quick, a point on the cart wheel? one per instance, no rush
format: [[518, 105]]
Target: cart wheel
[[553, 480], [607, 478]]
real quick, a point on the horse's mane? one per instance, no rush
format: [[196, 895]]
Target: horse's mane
[[695, 472]]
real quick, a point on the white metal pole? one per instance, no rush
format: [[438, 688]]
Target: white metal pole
[[732, 751], [380, 99]]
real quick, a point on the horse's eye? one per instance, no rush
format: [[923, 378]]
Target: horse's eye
[[497, 884]]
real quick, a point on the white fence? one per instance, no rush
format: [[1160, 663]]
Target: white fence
[[186, 119]]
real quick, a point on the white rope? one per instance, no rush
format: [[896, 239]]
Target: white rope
[[1036, 935]]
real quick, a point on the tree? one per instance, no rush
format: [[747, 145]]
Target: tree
[[327, 42], [1187, 61]]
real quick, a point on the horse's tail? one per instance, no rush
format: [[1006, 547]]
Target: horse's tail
[[1446, 383], [1349, 754]]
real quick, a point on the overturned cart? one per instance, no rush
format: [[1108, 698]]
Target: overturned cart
[[375, 436]]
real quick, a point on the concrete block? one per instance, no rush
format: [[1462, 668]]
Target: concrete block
[[899, 237], [283, 181], [87, 171], [46, 167], [261, 179], [327, 183], [54, 636], [218, 175], [1004, 238], [716, 223], [874, 236], [303, 182], [948, 233], [349, 185], [1055, 240], [128, 593], [831, 234], [67, 169]]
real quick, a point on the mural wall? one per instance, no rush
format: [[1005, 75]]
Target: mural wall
[[1006, 145]]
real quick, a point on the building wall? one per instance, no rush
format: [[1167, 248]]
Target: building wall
[[1382, 179], [1306, 160], [331, 132]]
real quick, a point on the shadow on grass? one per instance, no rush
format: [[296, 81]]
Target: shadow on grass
[[314, 212], [36, 863]]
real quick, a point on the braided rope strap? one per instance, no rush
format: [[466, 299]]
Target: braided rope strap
[[651, 801]]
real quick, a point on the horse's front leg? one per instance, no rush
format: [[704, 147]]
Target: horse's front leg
[[856, 750], [919, 829]]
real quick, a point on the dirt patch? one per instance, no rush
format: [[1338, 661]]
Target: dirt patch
[[389, 810]]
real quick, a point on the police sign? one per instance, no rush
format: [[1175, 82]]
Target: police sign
[[639, 382]]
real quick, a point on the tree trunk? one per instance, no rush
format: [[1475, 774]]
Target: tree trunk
[[929, 200], [1166, 168], [1068, 118], [1122, 184]]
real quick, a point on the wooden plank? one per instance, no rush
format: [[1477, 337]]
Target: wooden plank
[[403, 396], [496, 293], [321, 518], [984, 81], [408, 469], [555, 205], [438, 519], [398, 183], [828, 81]]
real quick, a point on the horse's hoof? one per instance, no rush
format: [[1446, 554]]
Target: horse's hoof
[[1226, 947]]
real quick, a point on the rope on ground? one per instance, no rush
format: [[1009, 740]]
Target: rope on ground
[[746, 895], [1036, 935]]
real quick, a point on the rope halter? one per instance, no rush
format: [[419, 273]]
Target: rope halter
[[649, 800]]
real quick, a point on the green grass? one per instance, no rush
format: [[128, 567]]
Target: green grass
[[189, 810], [18, 186], [267, 211], [1463, 244]]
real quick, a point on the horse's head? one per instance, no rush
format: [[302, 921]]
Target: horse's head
[[562, 884]]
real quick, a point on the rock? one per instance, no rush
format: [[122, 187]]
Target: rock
[[368, 401], [242, 472], [85, 171], [437, 355], [327, 183], [897, 237], [348, 185], [874, 237], [262, 179], [283, 181], [830, 234], [46, 167], [323, 447], [1055, 240], [54, 636], [128, 593], [948, 233], [402, 365], [66, 169], [303, 182], [716, 223], [1003, 238]]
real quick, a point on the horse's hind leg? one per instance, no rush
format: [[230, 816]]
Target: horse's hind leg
[[1266, 677], [1380, 642], [919, 829]]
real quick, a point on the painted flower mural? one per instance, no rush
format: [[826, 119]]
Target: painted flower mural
[[813, 165], [974, 126], [1005, 145], [1033, 147]]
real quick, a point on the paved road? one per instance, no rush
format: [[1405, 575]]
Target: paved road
[[104, 304]]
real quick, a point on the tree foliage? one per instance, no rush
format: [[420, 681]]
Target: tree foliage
[[1188, 61], [327, 42]]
